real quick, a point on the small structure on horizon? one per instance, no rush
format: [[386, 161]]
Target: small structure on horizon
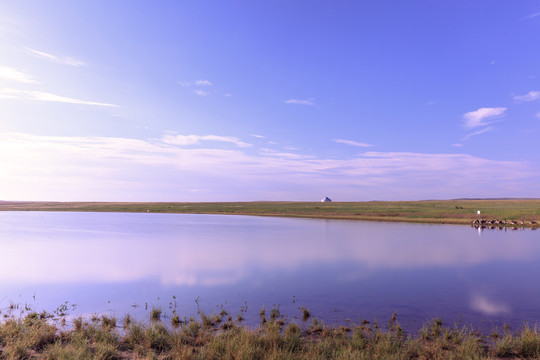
[[326, 199]]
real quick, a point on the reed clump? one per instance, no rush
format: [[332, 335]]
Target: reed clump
[[155, 314], [35, 337]]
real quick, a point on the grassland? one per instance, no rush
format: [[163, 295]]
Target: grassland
[[440, 212], [35, 336]]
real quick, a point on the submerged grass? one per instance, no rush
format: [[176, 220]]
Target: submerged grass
[[34, 337]]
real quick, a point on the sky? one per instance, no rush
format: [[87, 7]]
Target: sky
[[269, 100]]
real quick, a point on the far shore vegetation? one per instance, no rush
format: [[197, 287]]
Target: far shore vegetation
[[32, 335], [506, 212]]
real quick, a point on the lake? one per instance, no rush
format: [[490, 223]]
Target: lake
[[342, 271]]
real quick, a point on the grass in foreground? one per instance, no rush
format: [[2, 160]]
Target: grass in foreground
[[37, 337], [442, 212]]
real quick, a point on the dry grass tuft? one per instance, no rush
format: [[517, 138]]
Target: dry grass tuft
[[34, 337]]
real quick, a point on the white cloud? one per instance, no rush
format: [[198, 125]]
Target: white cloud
[[184, 140], [227, 95], [530, 96], [12, 74], [203, 83], [352, 143], [65, 61], [286, 155], [201, 92], [199, 83], [122, 169], [482, 116], [44, 96], [309, 102], [197, 86], [479, 132], [257, 136], [530, 16], [457, 145]]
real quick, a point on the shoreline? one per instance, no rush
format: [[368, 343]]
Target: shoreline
[[515, 212]]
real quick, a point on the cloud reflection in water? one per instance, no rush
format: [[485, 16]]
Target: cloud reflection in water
[[210, 250], [488, 307]]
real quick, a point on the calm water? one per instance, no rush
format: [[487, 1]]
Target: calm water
[[341, 270]]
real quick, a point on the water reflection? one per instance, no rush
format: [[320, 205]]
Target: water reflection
[[420, 270], [488, 307]]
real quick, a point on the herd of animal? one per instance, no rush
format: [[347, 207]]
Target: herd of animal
[[503, 224]]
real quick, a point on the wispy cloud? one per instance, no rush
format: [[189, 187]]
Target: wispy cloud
[[479, 132], [102, 168], [199, 83], [6, 93], [200, 92], [309, 102], [184, 140], [352, 143], [286, 155], [257, 136], [198, 86], [530, 96], [531, 16], [203, 83], [60, 60], [12, 74], [482, 116]]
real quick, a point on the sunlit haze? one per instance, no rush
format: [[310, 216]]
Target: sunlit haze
[[269, 100]]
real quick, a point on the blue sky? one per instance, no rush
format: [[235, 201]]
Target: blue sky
[[269, 100]]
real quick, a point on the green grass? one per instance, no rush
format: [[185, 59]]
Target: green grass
[[35, 337], [439, 211]]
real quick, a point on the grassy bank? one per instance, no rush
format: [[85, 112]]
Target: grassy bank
[[221, 337], [440, 212]]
